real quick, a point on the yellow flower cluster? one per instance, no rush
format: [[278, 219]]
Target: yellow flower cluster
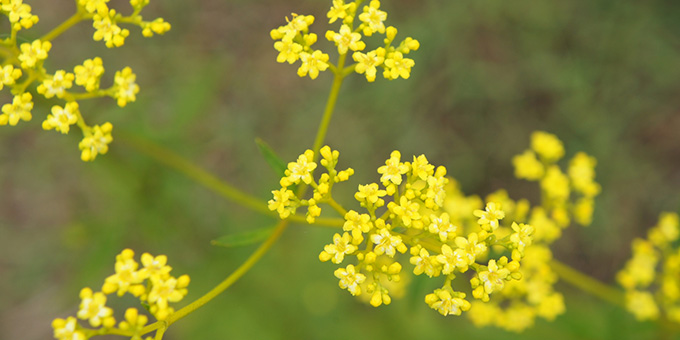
[[562, 196], [152, 284], [651, 277], [23, 64], [415, 222], [285, 201], [294, 42]]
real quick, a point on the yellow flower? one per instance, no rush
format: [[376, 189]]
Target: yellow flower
[[521, 236], [350, 279], [371, 194], [158, 26], [8, 75], [393, 169], [424, 263], [493, 279], [19, 14], [88, 74], [108, 30], [489, 217], [67, 329], [447, 304], [20, 109], [471, 247], [127, 277], [133, 322], [97, 142], [398, 66], [451, 260], [61, 119], [357, 224], [156, 267], [527, 166], [642, 305], [408, 212], [555, 184], [547, 146], [92, 6], [312, 63], [34, 52], [421, 168], [300, 170], [168, 290], [93, 308], [367, 62], [288, 50], [339, 10], [582, 174], [373, 18], [336, 252], [386, 243], [346, 39], [56, 85], [441, 226], [282, 202], [125, 86]]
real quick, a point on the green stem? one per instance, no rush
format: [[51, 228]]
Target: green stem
[[588, 284], [74, 19], [330, 107], [210, 181], [233, 277]]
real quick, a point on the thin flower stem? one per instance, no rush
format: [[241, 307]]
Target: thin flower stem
[[74, 19], [210, 181], [335, 205], [233, 277], [330, 107], [588, 284]]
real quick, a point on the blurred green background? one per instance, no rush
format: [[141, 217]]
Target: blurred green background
[[603, 75]]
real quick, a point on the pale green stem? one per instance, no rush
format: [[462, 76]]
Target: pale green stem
[[588, 284], [74, 19], [335, 205], [330, 107], [233, 277]]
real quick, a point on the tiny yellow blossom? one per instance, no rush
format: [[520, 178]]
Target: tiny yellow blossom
[[89, 73], [582, 174], [350, 279], [547, 146], [421, 168], [527, 166], [20, 109], [451, 260], [425, 263], [289, 51], [373, 18], [158, 26], [57, 84], [357, 224], [407, 211], [67, 329], [490, 216], [339, 10], [61, 119], [346, 39], [336, 252], [555, 184], [93, 308], [446, 303], [97, 142], [92, 6], [368, 62], [371, 194], [312, 64], [282, 202], [393, 169], [9, 75], [302, 169], [127, 277], [642, 305], [125, 86], [471, 246], [521, 236], [108, 30], [134, 322], [156, 267], [386, 243], [441, 226], [493, 279], [398, 66], [169, 290], [32, 53]]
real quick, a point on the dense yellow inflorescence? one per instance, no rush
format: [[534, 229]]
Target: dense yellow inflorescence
[[294, 43], [23, 65], [404, 223], [150, 282], [651, 277]]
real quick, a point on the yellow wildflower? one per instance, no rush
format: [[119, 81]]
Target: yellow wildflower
[[393, 169], [345, 39], [61, 119], [547, 146], [96, 143], [289, 51], [125, 86], [398, 66], [373, 18], [527, 166], [350, 279], [386, 243], [8, 75], [133, 322], [312, 64], [488, 218], [56, 85], [282, 202], [89, 73], [336, 252], [302, 169], [127, 278], [93, 308], [19, 14], [339, 10], [32, 53], [441, 226], [368, 62], [447, 303], [642, 305], [108, 30], [67, 329], [92, 6], [20, 109]]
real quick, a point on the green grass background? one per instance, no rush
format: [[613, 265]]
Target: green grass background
[[602, 75]]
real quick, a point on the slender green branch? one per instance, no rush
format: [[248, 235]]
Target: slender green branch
[[335, 205], [74, 19], [233, 277], [330, 107], [588, 284]]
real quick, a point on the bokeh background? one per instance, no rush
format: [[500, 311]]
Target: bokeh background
[[603, 75]]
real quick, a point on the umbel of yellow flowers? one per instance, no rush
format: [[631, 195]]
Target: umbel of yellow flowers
[[24, 64]]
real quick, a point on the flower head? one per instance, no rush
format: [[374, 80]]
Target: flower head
[[97, 142], [20, 109]]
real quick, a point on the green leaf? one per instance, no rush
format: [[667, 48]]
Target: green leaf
[[278, 165], [245, 238]]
